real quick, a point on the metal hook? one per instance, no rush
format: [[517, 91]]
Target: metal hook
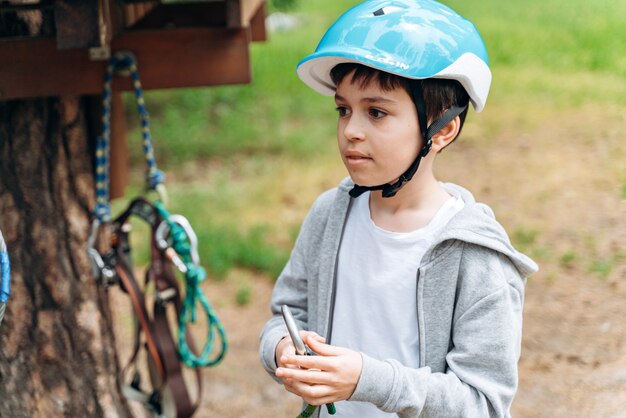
[[159, 235], [193, 239], [100, 270], [93, 234]]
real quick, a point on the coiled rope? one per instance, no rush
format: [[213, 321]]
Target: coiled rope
[[194, 275]]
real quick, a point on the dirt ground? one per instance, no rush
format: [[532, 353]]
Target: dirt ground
[[556, 180]]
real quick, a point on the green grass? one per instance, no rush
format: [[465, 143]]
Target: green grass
[[546, 56], [602, 268], [524, 239], [568, 259]]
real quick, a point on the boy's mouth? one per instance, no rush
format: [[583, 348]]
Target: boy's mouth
[[354, 160], [356, 156]]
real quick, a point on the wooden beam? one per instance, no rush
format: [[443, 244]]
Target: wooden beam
[[134, 13], [239, 13], [187, 57], [77, 23], [177, 15], [257, 25], [25, 7], [249, 9], [119, 149]]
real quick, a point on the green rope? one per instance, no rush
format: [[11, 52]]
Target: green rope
[[307, 412], [193, 295], [310, 409]]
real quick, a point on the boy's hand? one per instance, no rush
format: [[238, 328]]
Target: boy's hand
[[285, 346], [330, 377]]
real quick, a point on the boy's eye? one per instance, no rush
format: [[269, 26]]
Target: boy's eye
[[377, 113], [342, 110]]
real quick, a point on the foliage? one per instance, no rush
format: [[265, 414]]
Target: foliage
[[244, 294], [282, 4]]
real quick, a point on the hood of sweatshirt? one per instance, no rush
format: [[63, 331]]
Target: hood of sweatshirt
[[477, 224]]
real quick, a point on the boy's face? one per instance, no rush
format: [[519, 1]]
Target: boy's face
[[377, 132]]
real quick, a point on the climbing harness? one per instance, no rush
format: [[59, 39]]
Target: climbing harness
[[5, 277], [169, 395], [173, 243]]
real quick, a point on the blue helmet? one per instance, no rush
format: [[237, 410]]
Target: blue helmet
[[416, 39]]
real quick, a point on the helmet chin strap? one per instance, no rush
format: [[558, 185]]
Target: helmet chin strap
[[390, 189]]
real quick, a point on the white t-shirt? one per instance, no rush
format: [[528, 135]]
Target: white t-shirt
[[375, 306]]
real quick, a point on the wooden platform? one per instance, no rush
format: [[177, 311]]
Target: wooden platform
[[176, 45]]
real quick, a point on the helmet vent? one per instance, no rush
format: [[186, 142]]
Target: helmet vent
[[386, 10]]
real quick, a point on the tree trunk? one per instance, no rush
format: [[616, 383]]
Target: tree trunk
[[57, 347]]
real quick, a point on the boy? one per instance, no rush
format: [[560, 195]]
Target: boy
[[414, 286]]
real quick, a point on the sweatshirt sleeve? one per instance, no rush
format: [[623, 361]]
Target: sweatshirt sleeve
[[480, 377]]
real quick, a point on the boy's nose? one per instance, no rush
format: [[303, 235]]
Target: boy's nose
[[353, 129]]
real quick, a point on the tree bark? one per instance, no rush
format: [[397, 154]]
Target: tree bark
[[57, 347]]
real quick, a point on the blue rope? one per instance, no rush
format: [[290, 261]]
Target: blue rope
[[194, 275], [5, 277], [155, 177]]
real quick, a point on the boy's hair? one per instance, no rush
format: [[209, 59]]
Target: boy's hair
[[439, 94]]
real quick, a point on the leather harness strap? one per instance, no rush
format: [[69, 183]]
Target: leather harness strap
[[166, 371]]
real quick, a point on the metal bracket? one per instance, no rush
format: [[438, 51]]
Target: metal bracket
[[100, 53]]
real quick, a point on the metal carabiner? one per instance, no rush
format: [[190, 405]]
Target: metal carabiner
[[191, 234], [159, 235], [99, 269]]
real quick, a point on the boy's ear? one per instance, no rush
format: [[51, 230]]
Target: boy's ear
[[446, 135]]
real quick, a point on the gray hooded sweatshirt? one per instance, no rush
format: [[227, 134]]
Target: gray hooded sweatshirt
[[470, 292]]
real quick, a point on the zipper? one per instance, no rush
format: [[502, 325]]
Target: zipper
[[331, 310], [422, 345]]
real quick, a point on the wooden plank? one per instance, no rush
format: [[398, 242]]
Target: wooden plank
[[233, 13], [176, 15], [187, 57], [257, 25], [129, 15], [119, 148], [185, 15], [247, 14], [25, 7], [249, 9], [239, 13], [77, 24]]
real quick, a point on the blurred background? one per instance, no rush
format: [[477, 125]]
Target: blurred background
[[244, 164]]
